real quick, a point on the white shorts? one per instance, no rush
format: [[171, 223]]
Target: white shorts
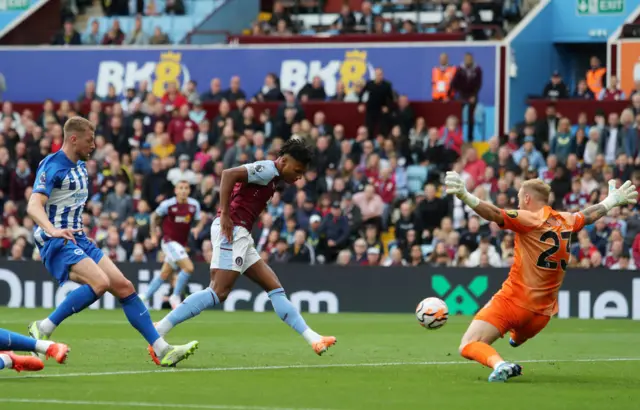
[[237, 256], [173, 252]]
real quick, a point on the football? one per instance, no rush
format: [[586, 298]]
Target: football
[[432, 313]]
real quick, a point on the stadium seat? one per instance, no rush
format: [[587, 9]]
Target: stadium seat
[[176, 27], [416, 177]]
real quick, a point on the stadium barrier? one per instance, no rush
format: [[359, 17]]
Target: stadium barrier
[[594, 293]]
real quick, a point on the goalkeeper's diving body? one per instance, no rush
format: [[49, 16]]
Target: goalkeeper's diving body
[[529, 296]]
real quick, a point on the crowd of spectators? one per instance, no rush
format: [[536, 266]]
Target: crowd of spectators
[[373, 198], [458, 16]]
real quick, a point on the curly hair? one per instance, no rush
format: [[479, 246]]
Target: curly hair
[[298, 150]]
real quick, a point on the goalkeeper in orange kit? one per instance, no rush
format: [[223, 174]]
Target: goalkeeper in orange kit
[[529, 296]]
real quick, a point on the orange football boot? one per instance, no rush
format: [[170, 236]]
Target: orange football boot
[[26, 363], [324, 344], [58, 351]]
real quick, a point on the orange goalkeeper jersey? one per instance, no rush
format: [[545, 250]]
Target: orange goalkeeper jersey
[[541, 257]]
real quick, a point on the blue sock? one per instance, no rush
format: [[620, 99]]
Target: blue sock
[[1, 364], [75, 302], [14, 341], [193, 305], [153, 287], [286, 311], [139, 317], [183, 279]]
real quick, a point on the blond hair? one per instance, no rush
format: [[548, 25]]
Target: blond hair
[[537, 188], [77, 125]]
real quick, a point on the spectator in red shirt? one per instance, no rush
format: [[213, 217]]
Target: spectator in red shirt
[[575, 199], [179, 123], [115, 36], [587, 249], [614, 254], [474, 166], [386, 185], [451, 134], [173, 99]]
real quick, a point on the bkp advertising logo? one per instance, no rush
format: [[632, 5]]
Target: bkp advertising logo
[[460, 299], [127, 75], [294, 74]]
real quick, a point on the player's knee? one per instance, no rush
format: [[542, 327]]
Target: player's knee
[[188, 267], [221, 291], [122, 287], [100, 285]]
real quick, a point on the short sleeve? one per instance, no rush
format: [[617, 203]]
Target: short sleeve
[[197, 214], [261, 172], [45, 179], [578, 221], [163, 208], [518, 221]]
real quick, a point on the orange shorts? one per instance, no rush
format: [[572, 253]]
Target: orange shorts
[[505, 316]]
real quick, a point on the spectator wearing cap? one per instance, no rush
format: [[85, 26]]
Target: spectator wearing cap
[[313, 230], [373, 257], [556, 88], [334, 229], [529, 151], [142, 163]]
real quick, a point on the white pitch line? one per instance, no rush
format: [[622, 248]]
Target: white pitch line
[[145, 404], [304, 366]]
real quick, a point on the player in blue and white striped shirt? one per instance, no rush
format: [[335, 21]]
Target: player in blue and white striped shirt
[[60, 193]]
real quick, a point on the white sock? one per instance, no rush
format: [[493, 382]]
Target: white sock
[[164, 326], [47, 327], [310, 336], [42, 346], [8, 363], [495, 366], [161, 347]]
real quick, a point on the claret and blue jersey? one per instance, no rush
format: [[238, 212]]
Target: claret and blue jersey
[[66, 184]]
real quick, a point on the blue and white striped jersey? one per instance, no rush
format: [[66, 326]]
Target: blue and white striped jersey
[[66, 185]]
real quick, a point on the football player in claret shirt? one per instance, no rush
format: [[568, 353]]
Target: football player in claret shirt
[[529, 296], [177, 214], [244, 193]]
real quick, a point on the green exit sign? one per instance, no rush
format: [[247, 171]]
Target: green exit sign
[[6, 5], [590, 7]]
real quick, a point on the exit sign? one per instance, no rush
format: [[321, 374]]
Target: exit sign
[[587, 7]]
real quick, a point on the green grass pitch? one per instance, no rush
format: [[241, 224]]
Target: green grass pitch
[[252, 361]]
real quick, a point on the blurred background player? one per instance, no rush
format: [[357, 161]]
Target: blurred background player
[[60, 192], [15, 341], [244, 193], [529, 296], [177, 214]]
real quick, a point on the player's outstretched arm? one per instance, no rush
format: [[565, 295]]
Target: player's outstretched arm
[[625, 195], [456, 186]]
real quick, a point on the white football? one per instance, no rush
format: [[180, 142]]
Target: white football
[[432, 313]]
